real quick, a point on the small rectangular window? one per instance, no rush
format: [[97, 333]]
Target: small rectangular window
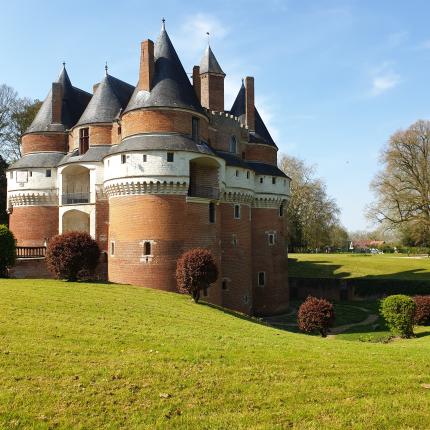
[[211, 212], [30, 173], [273, 180], [261, 180], [195, 129], [11, 175], [271, 239], [119, 129], [84, 140], [145, 158], [48, 173], [281, 210], [205, 292], [123, 158], [224, 284], [147, 248], [237, 211], [233, 240], [237, 173], [170, 157], [243, 156], [247, 174], [261, 279], [112, 249]]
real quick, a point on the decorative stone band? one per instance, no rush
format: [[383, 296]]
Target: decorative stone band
[[237, 196], [33, 198], [144, 186], [269, 200]]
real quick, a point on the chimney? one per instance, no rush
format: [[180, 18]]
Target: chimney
[[249, 103], [146, 65], [196, 81], [57, 102]]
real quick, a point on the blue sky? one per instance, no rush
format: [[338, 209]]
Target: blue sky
[[333, 79]]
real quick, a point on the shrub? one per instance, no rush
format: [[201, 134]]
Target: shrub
[[7, 250], [422, 310], [196, 270], [398, 312], [71, 255], [315, 315]]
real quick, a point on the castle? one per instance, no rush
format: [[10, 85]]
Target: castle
[[153, 170]]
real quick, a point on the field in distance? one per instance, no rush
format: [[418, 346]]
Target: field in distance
[[390, 266]]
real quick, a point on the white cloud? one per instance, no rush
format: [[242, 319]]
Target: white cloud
[[383, 83], [192, 36], [423, 45], [383, 79]]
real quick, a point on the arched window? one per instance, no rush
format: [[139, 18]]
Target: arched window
[[233, 145], [147, 248]]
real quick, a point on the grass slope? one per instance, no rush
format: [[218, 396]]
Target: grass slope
[[109, 356], [359, 265]]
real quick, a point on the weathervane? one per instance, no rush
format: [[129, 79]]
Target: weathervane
[[106, 68], [163, 25]]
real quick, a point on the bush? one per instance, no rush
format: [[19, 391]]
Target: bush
[[398, 312], [7, 250], [422, 310], [315, 315], [195, 271], [72, 255]]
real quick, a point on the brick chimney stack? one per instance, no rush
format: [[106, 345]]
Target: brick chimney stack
[[250, 103], [196, 81], [57, 102], [146, 65]]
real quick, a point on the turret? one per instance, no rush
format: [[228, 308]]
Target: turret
[[211, 82]]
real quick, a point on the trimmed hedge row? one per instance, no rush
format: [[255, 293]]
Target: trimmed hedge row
[[384, 287]]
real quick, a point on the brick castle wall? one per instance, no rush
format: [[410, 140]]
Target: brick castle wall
[[263, 153], [272, 259], [44, 142], [32, 224]]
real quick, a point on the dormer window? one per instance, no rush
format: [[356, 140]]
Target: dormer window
[[195, 129], [232, 145], [84, 140]]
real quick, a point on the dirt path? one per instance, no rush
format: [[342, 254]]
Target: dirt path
[[335, 330]]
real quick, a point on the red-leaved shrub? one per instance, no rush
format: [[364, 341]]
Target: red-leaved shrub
[[422, 310], [72, 254], [195, 270], [315, 315]]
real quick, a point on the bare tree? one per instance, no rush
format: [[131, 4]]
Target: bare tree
[[402, 188], [16, 115]]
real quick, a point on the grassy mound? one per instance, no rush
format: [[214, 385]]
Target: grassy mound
[[110, 356]]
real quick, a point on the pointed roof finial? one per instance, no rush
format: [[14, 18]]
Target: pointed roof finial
[[64, 64], [106, 68], [207, 34], [163, 24]]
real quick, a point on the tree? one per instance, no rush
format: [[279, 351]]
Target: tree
[[7, 250], [71, 255], [3, 191], [315, 315], [312, 216], [195, 271], [16, 115], [402, 187], [399, 312]]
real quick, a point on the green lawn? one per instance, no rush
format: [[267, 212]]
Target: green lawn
[[390, 266], [109, 356]]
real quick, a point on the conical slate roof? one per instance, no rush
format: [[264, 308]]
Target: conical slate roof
[[170, 84], [73, 104], [209, 63], [261, 134], [110, 97]]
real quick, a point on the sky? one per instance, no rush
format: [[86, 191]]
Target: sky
[[333, 78]]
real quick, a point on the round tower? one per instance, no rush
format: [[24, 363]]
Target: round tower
[[33, 198], [162, 179]]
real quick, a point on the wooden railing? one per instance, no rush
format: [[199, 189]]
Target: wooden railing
[[30, 251]]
